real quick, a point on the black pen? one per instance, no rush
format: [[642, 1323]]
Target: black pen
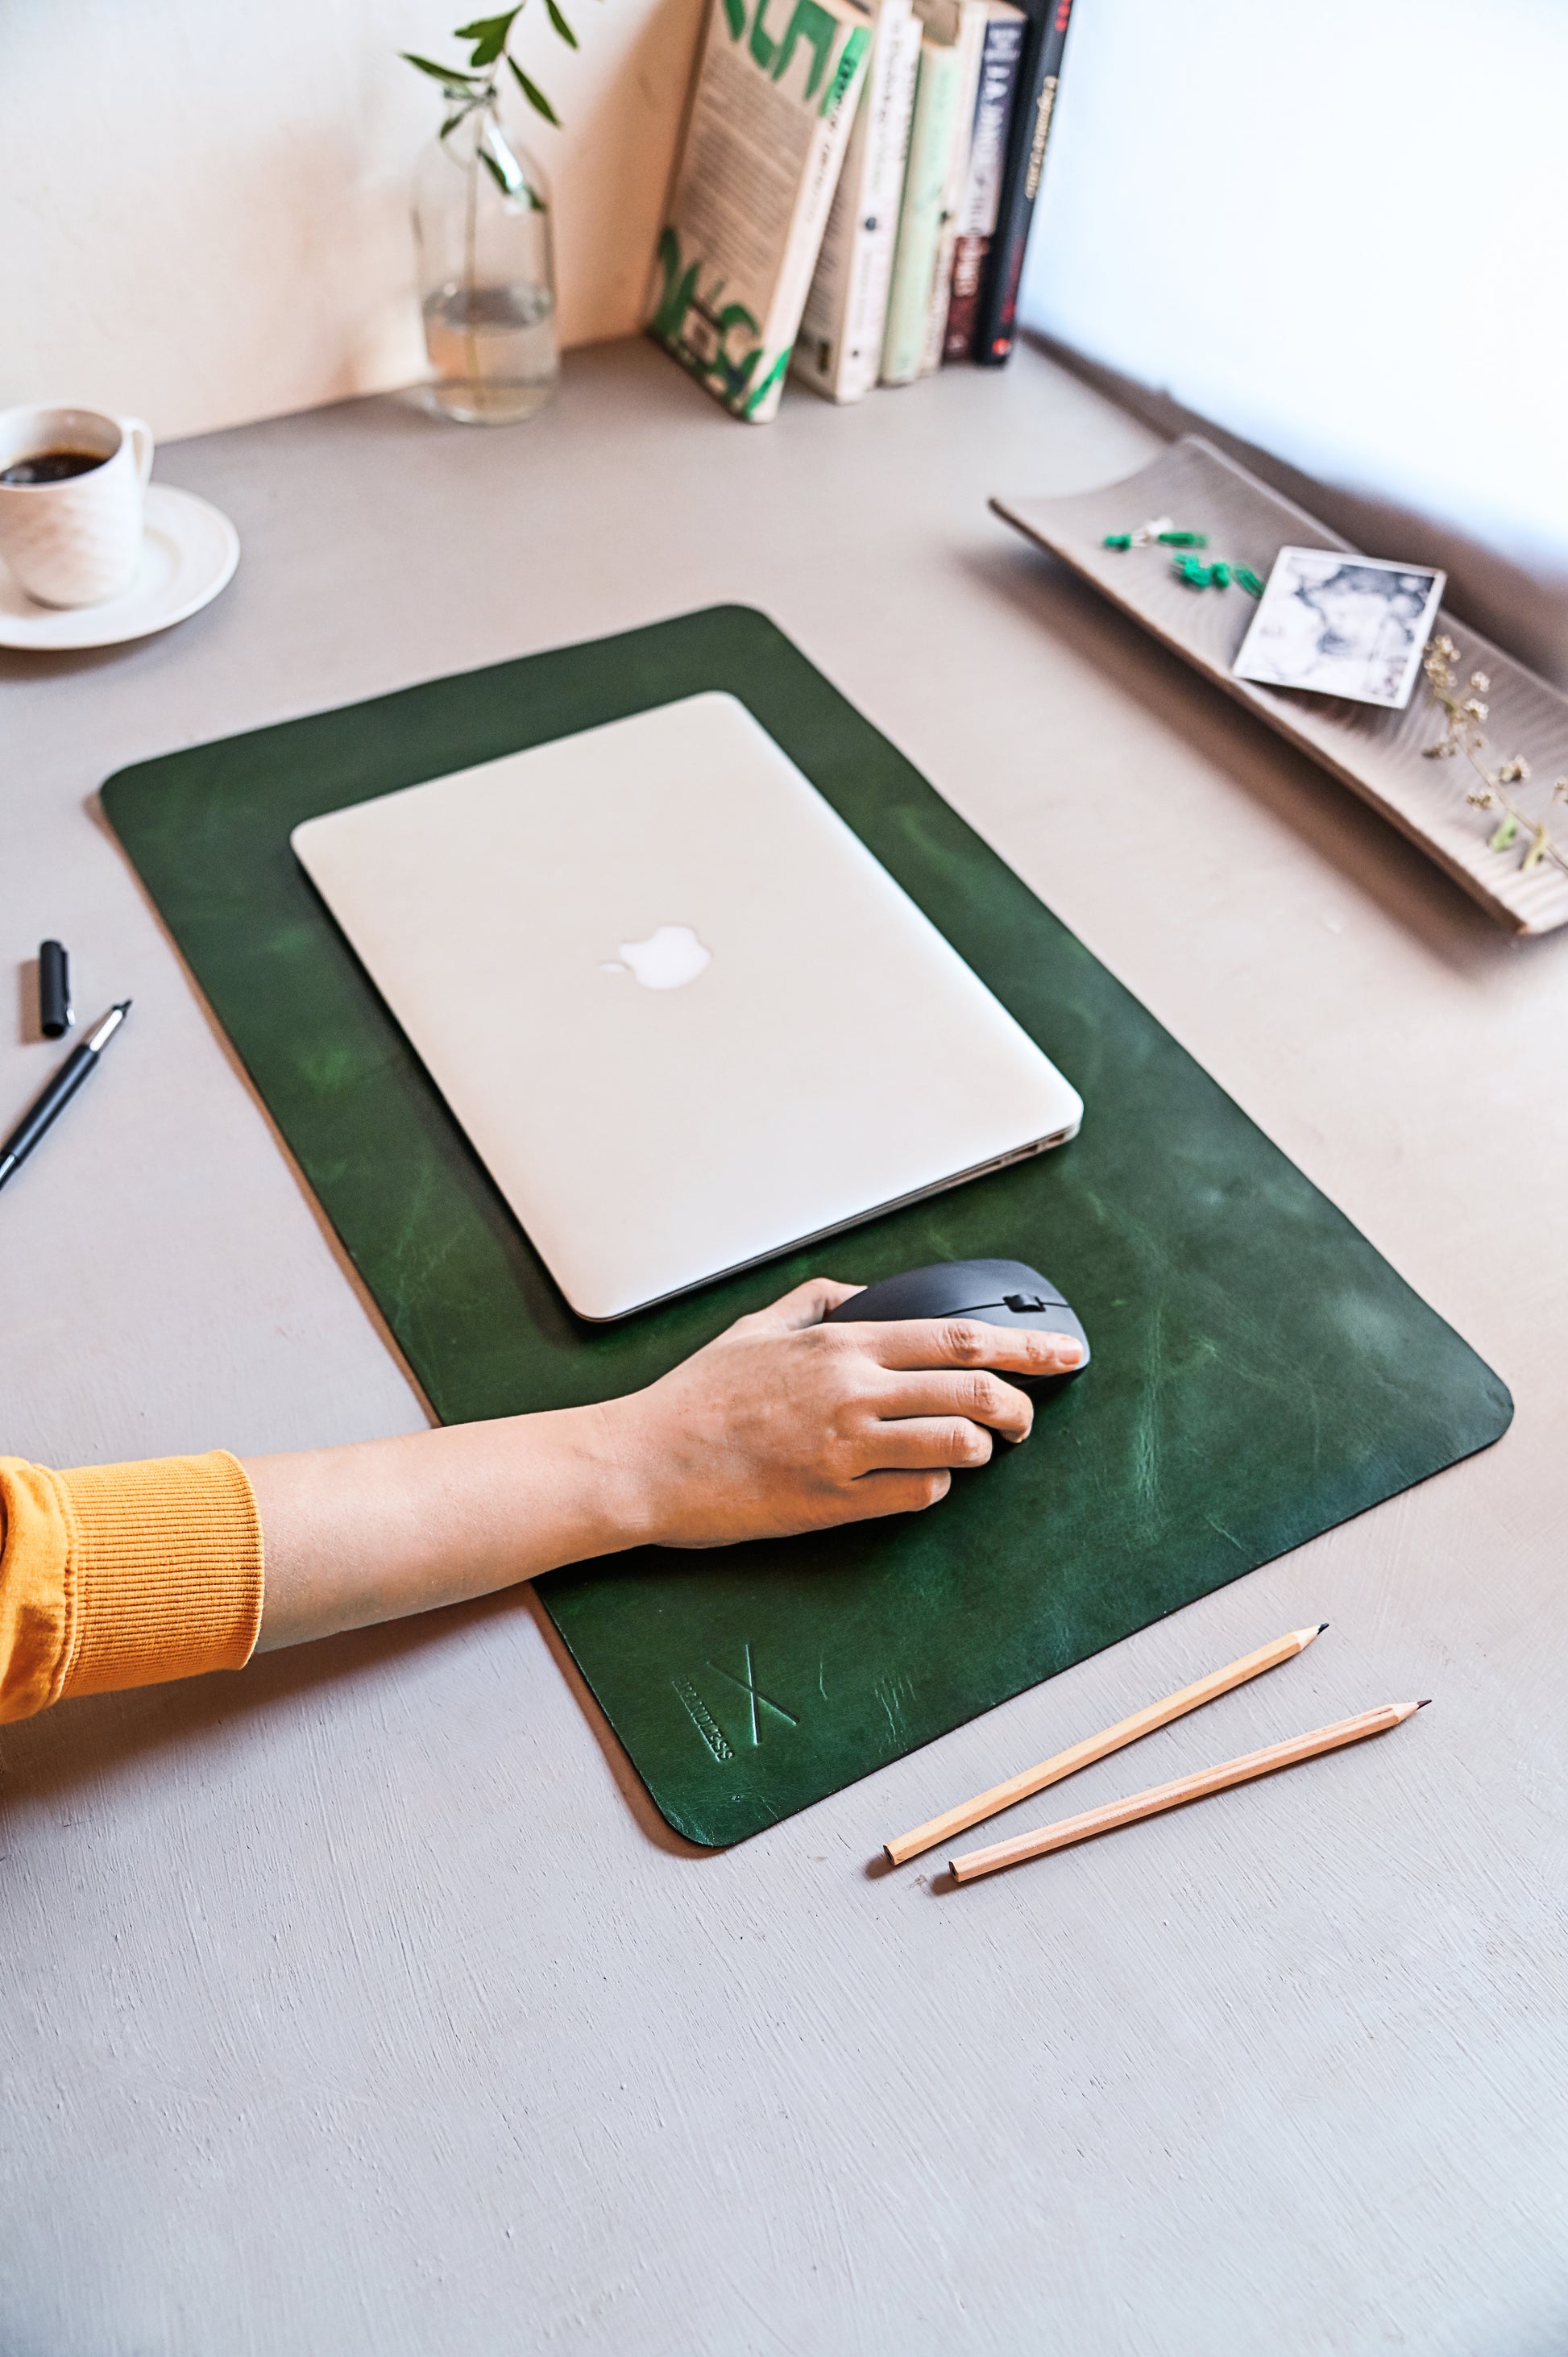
[[61, 1088]]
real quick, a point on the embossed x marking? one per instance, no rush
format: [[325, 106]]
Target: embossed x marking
[[756, 1699]]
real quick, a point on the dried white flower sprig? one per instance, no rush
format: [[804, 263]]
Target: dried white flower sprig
[[1464, 716]]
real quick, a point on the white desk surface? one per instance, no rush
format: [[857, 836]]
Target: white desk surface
[[359, 2003]]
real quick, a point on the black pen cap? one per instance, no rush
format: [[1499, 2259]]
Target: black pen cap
[[55, 1013]]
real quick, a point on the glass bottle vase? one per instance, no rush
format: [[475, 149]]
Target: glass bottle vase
[[487, 272]]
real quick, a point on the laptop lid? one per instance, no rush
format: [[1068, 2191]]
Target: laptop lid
[[686, 1017]]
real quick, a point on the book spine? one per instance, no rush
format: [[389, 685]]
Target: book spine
[[977, 214], [971, 31], [873, 284], [839, 341], [1030, 130], [930, 147], [817, 192]]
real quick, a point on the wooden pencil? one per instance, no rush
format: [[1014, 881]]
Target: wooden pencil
[[1095, 1747], [976, 1862]]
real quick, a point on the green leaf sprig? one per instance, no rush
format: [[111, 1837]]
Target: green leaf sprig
[[470, 87]]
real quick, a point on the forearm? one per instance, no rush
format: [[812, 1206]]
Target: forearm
[[779, 1425], [389, 1527], [119, 1576]]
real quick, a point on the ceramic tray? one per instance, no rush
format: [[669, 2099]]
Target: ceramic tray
[[1378, 753]]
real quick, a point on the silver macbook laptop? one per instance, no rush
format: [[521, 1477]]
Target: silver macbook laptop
[[686, 1018]]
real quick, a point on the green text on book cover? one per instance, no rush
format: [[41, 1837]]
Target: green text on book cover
[[768, 123]]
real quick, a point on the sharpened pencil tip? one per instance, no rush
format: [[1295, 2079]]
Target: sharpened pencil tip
[[1321, 1627], [1422, 1706]]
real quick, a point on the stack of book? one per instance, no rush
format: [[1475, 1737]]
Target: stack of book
[[854, 191]]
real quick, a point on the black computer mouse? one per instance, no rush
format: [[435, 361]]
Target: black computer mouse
[[1001, 1292]]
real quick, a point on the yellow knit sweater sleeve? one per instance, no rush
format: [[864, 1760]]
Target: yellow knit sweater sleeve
[[123, 1575]]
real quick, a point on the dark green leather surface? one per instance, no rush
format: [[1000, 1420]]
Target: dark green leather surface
[[1259, 1373]]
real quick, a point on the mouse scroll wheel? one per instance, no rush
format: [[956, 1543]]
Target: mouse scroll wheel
[[1018, 1302]]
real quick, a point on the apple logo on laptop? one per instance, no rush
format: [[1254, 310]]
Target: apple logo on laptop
[[670, 956]]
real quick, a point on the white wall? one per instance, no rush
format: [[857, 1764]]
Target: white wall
[[1340, 231], [204, 204]]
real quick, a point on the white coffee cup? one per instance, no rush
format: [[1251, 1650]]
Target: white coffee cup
[[75, 540]]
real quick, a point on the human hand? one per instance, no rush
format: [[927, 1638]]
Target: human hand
[[782, 1425]]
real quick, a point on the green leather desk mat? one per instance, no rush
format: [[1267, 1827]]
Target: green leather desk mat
[[1260, 1372]]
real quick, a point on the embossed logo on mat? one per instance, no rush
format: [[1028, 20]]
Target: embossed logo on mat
[[746, 1709]]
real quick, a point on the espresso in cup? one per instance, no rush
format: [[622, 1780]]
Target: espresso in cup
[[51, 466], [71, 482]]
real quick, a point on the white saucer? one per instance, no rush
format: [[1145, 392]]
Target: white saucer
[[188, 553]]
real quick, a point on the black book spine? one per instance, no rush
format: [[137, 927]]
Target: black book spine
[[1030, 129]]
